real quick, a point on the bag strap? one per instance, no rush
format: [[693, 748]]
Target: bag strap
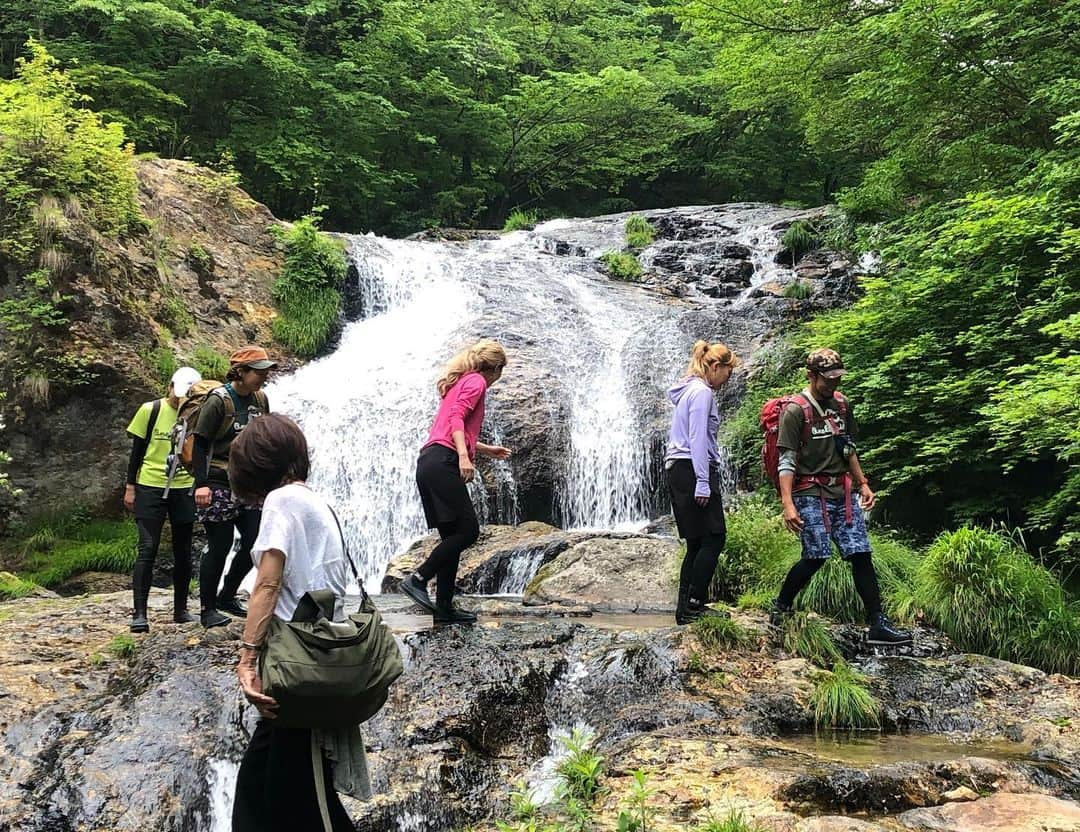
[[348, 557], [155, 409], [320, 782]]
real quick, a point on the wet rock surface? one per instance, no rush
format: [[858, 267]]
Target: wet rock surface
[[95, 741]]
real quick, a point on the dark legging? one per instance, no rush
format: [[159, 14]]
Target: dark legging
[[275, 787], [442, 563], [219, 538], [149, 540], [862, 570], [699, 564]]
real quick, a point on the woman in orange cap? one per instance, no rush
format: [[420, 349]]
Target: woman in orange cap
[[227, 411]]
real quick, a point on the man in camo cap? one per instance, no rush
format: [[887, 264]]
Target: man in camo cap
[[819, 469]]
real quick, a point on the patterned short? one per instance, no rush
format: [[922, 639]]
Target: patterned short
[[817, 542], [223, 507]]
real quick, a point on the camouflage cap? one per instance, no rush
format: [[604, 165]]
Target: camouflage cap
[[825, 363]]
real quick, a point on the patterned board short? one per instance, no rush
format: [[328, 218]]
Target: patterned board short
[[817, 542], [223, 507]]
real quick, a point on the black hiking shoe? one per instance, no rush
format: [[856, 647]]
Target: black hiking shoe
[[779, 613], [695, 610], [213, 618], [182, 617], [417, 590], [883, 632], [449, 614], [139, 622], [231, 606]]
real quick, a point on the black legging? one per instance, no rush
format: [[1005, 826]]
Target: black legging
[[442, 563], [699, 565], [149, 540], [219, 538], [862, 570]]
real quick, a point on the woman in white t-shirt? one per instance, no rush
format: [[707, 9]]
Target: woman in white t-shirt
[[299, 548]]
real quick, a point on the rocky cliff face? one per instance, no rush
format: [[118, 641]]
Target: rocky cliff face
[[197, 280]]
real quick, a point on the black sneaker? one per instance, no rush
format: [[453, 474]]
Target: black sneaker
[[449, 614], [139, 623], [231, 606], [213, 618], [882, 631], [779, 613], [417, 590]]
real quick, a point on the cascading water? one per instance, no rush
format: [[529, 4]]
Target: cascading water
[[593, 358]]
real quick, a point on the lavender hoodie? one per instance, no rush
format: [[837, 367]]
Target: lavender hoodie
[[693, 428]]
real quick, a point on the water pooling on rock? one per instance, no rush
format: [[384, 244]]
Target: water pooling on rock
[[582, 402]]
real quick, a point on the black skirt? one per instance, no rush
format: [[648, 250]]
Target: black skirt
[[444, 495], [694, 521]]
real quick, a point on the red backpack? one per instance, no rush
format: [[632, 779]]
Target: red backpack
[[769, 420]]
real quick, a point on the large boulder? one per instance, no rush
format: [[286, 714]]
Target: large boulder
[[616, 573], [1002, 812]]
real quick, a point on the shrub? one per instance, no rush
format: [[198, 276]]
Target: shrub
[[12, 586], [798, 290], [209, 362], [799, 238], [520, 220], [621, 266], [164, 364], [639, 233], [307, 292], [715, 632], [842, 700], [580, 771], [57, 546], [991, 597], [807, 636]]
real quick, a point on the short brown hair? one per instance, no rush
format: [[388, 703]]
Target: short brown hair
[[270, 451]]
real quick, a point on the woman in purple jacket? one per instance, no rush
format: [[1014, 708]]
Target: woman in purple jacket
[[693, 468]]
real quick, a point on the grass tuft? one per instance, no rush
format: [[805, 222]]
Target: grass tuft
[[716, 632], [621, 266], [807, 636], [734, 821], [122, 646], [639, 233], [210, 363], [841, 699], [799, 290], [520, 220], [12, 587]]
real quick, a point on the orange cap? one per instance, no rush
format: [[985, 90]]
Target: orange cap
[[254, 357]]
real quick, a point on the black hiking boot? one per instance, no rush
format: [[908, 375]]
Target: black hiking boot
[[449, 614], [139, 621], [680, 605], [182, 617], [779, 613], [883, 632], [696, 610], [213, 618], [416, 588], [231, 606]]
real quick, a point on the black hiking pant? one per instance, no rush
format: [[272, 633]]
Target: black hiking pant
[[219, 539], [152, 509]]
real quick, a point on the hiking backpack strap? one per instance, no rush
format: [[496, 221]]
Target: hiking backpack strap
[[155, 409], [348, 557]]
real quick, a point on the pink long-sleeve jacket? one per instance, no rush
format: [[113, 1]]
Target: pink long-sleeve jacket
[[462, 408]]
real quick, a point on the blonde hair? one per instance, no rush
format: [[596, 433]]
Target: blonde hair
[[705, 355], [483, 355]]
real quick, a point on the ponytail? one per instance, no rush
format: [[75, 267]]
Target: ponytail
[[704, 355]]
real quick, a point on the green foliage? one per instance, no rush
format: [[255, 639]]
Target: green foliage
[[639, 232], [988, 594], [799, 238], [580, 770], [210, 363], [733, 821], [55, 547], [798, 290], [718, 632], [621, 265], [307, 292], [841, 699], [807, 636], [60, 164], [12, 586], [175, 314], [164, 364], [520, 220], [637, 814], [122, 646]]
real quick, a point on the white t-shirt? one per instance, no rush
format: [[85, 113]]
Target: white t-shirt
[[298, 522]]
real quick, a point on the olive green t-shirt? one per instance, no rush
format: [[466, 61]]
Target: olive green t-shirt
[[819, 456], [153, 472], [211, 418]]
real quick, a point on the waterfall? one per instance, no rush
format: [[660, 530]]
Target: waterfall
[[592, 358]]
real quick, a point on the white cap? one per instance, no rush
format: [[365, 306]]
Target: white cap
[[182, 380]]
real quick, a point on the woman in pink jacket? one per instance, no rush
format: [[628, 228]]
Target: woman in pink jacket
[[444, 469]]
